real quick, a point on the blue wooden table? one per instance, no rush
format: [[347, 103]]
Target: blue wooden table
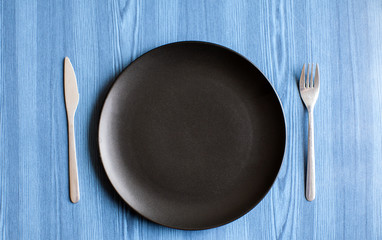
[[103, 37]]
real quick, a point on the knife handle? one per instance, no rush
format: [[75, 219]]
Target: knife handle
[[73, 172]]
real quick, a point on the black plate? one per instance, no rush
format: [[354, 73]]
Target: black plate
[[192, 135]]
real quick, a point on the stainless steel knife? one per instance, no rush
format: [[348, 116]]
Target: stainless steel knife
[[71, 102]]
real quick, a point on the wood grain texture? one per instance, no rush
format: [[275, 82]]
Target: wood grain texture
[[103, 37]]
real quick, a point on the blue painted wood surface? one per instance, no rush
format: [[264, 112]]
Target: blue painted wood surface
[[103, 37]]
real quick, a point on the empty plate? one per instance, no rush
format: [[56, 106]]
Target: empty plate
[[192, 135]]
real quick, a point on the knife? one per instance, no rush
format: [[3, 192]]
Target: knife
[[71, 103]]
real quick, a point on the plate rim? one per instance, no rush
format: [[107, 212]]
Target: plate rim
[[255, 203]]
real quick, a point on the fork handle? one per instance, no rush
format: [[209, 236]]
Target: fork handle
[[73, 172], [310, 191]]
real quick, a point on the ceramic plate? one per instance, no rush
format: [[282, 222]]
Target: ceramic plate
[[192, 135]]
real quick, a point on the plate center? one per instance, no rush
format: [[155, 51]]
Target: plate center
[[198, 130]]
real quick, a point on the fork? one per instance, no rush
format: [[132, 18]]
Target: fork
[[309, 91]]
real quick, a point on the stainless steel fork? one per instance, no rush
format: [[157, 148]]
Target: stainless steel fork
[[309, 91]]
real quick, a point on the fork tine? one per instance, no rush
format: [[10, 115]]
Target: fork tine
[[317, 77], [311, 77], [307, 76], [302, 78]]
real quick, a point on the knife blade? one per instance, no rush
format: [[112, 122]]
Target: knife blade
[[71, 103]]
